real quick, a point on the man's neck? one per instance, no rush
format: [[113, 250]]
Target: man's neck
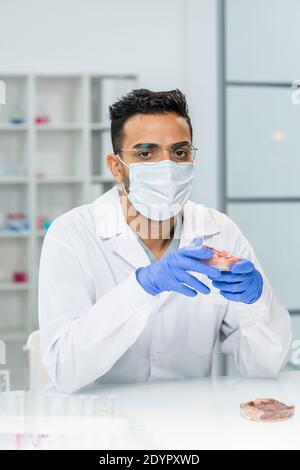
[[156, 235]]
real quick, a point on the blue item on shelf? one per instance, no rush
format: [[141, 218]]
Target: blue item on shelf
[[47, 223], [13, 169], [17, 222], [17, 120]]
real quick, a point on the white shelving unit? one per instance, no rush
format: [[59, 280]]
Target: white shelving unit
[[46, 169]]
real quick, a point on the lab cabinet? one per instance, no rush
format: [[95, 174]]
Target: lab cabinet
[[101, 139], [58, 153], [273, 231], [262, 40], [54, 138], [263, 145], [260, 149], [14, 296]]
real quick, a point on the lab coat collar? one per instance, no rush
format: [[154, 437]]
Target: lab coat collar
[[108, 215], [197, 221], [111, 224]]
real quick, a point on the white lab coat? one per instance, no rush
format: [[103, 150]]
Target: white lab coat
[[98, 324]]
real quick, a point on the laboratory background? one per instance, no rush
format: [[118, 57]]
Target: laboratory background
[[64, 62]]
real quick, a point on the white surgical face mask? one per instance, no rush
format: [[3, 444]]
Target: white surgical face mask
[[159, 190]]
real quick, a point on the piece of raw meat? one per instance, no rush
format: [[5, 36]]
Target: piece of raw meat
[[266, 409], [222, 259]]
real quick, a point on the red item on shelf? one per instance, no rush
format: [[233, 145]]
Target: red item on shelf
[[40, 222], [42, 119], [20, 276]]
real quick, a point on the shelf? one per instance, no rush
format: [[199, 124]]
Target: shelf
[[17, 99], [15, 308], [14, 336], [103, 179], [14, 286], [59, 98], [101, 147], [47, 127], [58, 127], [40, 233], [13, 154], [14, 180], [55, 198], [12, 234], [48, 169], [59, 154], [100, 126], [104, 91], [13, 127], [58, 180], [14, 198]]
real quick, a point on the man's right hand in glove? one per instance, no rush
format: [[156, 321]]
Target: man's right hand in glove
[[171, 272]]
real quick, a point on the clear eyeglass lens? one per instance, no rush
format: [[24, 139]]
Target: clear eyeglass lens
[[180, 154]]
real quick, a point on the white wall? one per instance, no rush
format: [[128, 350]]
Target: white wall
[[169, 44], [202, 91]]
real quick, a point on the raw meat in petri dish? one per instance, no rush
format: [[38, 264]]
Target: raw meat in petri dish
[[266, 409], [222, 259]]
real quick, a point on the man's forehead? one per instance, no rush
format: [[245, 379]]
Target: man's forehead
[[157, 127]]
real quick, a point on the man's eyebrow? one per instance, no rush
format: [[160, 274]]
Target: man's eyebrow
[[185, 142], [144, 145], [151, 144]]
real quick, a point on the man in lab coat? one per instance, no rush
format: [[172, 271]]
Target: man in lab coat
[[125, 290]]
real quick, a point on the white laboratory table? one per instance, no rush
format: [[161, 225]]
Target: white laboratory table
[[190, 414]]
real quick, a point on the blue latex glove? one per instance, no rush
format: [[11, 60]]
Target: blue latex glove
[[170, 273], [243, 283]]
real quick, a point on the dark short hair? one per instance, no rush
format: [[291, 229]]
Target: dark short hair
[[144, 101]]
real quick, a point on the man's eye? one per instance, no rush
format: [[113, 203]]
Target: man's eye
[[181, 153], [145, 154]]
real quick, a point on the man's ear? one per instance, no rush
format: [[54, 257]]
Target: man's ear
[[114, 165]]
